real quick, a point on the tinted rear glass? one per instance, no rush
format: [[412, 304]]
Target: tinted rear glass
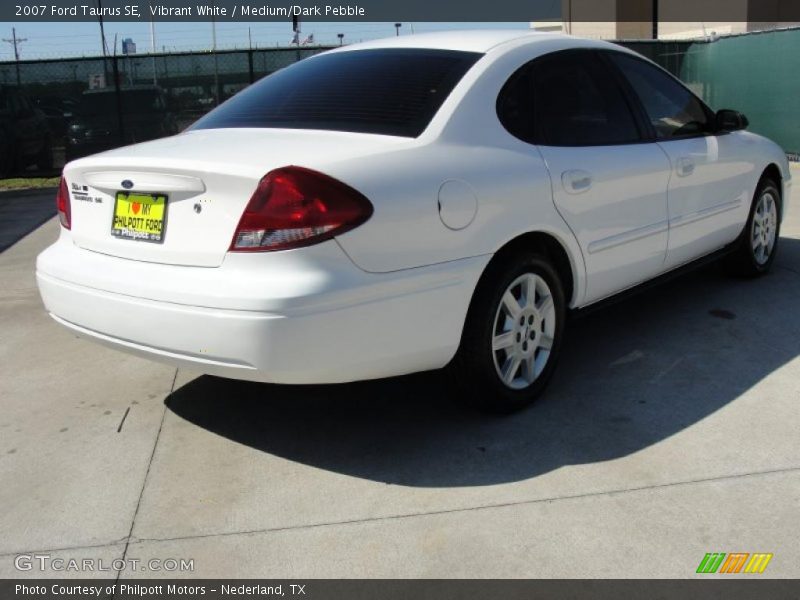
[[577, 102], [391, 92]]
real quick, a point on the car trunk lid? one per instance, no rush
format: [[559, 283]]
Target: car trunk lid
[[207, 177]]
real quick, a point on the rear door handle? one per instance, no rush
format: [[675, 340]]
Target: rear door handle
[[576, 181], [685, 166]]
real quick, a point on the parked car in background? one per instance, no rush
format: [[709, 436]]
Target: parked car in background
[[25, 137], [105, 119], [58, 112], [409, 204]]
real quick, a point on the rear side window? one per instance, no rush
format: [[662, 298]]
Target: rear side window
[[671, 108], [577, 102], [389, 91], [515, 105]]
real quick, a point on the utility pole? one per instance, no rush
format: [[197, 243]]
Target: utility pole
[[568, 23], [214, 50], [103, 40], [16, 41], [102, 28], [655, 19], [153, 43], [397, 27], [296, 37], [341, 38]]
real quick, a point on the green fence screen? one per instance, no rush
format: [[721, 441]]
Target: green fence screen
[[758, 74], [755, 73]]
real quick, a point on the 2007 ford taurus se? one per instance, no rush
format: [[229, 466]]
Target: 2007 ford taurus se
[[409, 204]]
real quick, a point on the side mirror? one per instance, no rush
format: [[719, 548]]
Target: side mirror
[[731, 120]]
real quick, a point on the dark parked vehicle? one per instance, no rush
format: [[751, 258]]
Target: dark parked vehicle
[[96, 125], [59, 112], [25, 137]]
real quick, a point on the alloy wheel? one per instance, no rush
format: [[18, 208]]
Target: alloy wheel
[[764, 228], [524, 329]]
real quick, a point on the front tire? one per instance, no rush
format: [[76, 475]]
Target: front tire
[[512, 336], [758, 243]]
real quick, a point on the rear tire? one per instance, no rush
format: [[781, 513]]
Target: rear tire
[[758, 243], [512, 335]]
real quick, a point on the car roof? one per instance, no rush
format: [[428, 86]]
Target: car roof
[[474, 40]]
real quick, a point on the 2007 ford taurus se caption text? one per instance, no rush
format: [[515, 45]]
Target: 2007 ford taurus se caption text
[[429, 201]]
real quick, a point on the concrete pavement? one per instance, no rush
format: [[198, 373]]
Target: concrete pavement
[[669, 431]]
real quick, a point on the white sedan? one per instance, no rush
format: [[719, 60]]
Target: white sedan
[[429, 201]]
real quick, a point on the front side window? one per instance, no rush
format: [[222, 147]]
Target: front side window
[[672, 109], [387, 91], [577, 103]]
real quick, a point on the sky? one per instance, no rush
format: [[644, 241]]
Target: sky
[[57, 40]]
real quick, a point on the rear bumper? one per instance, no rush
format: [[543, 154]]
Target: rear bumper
[[309, 316]]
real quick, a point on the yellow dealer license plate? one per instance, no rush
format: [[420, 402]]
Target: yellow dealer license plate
[[140, 217]]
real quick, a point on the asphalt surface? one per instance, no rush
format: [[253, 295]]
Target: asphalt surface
[[23, 211], [670, 430]]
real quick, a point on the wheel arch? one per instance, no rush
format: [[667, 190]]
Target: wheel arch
[[548, 245], [773, 171], [544, 243]]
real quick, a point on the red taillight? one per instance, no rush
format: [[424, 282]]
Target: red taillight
[[62, 202], [293, 207]]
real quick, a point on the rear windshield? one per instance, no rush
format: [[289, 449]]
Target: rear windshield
[[388, 91]]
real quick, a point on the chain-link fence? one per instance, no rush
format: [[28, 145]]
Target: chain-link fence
[[54, 110]]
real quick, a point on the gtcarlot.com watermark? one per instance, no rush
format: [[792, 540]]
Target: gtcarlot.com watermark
[[47, 563]]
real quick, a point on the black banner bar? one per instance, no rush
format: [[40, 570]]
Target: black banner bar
[[766, 12], [746, 587]]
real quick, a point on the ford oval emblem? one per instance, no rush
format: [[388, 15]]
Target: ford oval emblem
[[127, 184]]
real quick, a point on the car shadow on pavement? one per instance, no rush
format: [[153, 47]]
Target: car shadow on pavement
[[631, 375], [22, 211]]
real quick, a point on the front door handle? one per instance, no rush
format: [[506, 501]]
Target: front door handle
[[685, 166], [576, 181]]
